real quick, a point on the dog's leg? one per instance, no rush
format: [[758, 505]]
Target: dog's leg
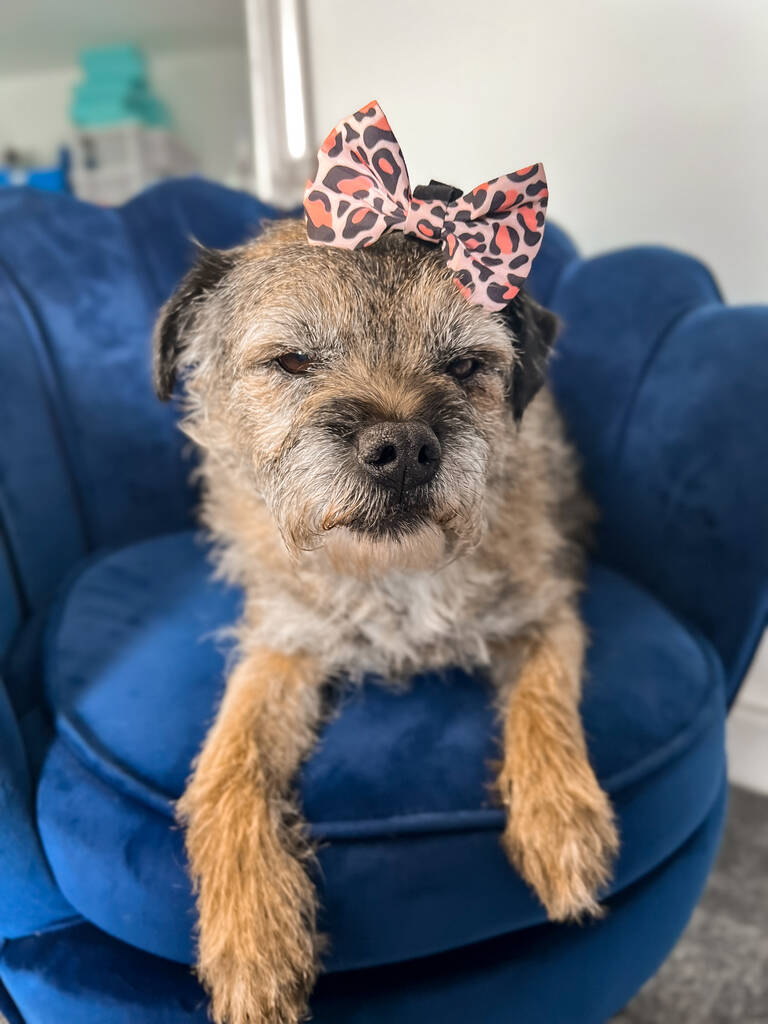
[[560, 831], [257, 948]]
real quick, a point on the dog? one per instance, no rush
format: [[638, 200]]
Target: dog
[[387, 478]]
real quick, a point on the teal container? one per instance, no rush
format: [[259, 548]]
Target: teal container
[[116, 90]]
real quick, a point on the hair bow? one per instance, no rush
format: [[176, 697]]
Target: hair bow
[[488, 236]]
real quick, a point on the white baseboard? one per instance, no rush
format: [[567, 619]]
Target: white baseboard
[[747, 741]]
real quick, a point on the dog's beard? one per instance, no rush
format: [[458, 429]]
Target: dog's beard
[[320, 499]]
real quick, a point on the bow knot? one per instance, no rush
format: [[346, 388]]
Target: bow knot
[[488, 236]]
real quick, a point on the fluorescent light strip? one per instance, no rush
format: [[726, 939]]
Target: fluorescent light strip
[[293, 86]]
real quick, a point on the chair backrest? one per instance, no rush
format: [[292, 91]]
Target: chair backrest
[[665, 391], [663, 387], [88, 457]]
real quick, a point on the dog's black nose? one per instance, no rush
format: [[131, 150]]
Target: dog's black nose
[[399, 455]]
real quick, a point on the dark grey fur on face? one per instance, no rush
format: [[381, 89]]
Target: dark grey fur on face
[[533, 329], [178, 313], [382, 330]]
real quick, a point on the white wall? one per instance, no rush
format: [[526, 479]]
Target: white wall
[[651, 116], [206, 89], [207, 93], [748, 727]]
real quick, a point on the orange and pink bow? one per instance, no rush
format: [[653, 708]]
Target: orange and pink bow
[[489, 236]]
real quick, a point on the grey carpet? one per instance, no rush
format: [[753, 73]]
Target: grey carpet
[[718, 972]]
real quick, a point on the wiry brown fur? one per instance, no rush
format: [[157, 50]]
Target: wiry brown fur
[[245, 847], [483, 570]]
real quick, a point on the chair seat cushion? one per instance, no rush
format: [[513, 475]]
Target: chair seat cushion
[[397, 791], [553, 974]]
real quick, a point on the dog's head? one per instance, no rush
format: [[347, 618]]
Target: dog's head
[[368, 403]]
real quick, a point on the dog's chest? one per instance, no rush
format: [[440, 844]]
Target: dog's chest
[[406, 616], [407, 621]]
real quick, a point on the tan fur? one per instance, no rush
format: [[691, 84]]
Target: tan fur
[[257, 950], [560, 830], [489, 575]]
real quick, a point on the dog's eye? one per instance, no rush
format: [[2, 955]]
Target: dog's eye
[[294, 362], [463, 367]]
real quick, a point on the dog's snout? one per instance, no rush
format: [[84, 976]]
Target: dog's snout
[[399, 455]]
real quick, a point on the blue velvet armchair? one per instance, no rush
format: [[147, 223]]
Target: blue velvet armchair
[[111, 666]]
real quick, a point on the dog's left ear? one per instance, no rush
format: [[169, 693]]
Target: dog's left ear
[[177, 316], [534, 330]]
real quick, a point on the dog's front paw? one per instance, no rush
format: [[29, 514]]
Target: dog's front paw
[[563, 842], [254, 992], [257, 946], [257, 954]]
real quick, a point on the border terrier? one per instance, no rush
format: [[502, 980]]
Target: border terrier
[[386, 476]]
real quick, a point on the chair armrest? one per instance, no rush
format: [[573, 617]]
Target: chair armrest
[[89, 458], [29, 897], [666, 392]]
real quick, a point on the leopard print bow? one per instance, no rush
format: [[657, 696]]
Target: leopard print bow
[[489, 236]]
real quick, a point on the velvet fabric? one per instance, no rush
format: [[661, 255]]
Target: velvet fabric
[[554, 974], [664, 391], [83, 433], [89, 459], [398, 791], [8, 1008]]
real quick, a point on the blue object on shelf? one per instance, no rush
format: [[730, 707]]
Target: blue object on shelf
[[48, 179]]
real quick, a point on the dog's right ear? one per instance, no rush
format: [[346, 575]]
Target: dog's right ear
[[177, 316], [534, 330]]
